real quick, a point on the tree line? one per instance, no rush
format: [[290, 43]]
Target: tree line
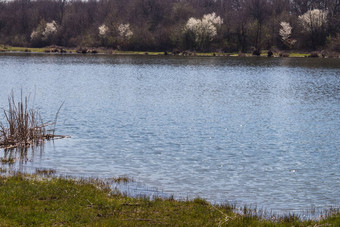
[[168, 25]]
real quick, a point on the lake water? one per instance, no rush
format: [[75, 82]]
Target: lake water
[[246, 130]]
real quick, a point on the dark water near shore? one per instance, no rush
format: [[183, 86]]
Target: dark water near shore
[[247, 130]]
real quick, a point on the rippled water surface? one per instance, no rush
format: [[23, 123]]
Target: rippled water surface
[[247, 130]]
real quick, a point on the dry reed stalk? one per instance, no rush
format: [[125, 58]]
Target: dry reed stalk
[[23, 125]]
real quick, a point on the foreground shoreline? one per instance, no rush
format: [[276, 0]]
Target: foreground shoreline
[[64, 50], [38, 199]]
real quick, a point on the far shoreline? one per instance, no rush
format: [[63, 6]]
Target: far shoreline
[[58, 50]]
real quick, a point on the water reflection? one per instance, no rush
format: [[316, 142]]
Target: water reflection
[[15, 159]]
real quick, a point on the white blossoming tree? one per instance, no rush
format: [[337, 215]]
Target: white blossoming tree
[[50, 30], [125, 34], [115, 35], [285, 33], [103, 33], [103, 30], [35, 34], [44, 34], [125, 31], [313, 20], [106, 35], [204, 30], [314, 23]]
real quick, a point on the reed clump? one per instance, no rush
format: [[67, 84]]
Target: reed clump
[[23, 125]]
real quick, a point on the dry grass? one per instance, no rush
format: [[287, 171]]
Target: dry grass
[[122, 179], [45, 172], [23, 126]]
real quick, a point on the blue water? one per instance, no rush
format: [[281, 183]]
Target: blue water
[[254, 131]]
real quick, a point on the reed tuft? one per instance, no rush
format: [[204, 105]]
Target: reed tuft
[[23, 126]]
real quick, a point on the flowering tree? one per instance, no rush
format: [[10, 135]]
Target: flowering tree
[[50, 30], [285, 33], [115, 34], [203, 30], [125, 31], [103, 30], [314, 23], [313, 20], [44, 33]]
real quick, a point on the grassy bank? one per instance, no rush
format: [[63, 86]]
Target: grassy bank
[[153, 53], [34, 200]]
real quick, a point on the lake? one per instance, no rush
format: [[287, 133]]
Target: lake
[[253, 131]]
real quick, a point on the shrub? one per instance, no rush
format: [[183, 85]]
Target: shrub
[[285, 55], [314, 55]]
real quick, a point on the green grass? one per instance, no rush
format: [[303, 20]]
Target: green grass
[[21, 49], [298, 55], [27, 200], [30, 49]]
